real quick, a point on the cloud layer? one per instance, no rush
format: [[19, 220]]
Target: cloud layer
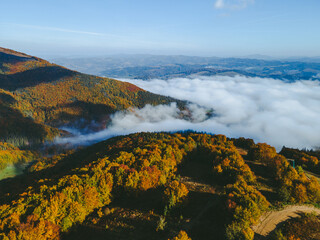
[[266, 110]]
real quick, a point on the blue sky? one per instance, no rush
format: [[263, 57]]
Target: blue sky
[[52, 28]]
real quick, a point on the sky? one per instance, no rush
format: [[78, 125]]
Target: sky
[[222, 28]]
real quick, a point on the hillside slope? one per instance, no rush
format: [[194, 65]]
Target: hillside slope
[[84, 195], [151, 186], [37, 96]]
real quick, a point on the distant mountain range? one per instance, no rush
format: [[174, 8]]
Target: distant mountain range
[[164, 67]]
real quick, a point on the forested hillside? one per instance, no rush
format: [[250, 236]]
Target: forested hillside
[[36, 95], [152, 186]]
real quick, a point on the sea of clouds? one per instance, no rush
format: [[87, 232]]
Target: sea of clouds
[[267, 110]]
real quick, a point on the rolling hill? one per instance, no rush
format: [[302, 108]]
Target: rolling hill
[[153, 186], [37, 97]]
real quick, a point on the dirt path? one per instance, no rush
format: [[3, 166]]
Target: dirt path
[[269, 221], [196, 186], [310, 174]]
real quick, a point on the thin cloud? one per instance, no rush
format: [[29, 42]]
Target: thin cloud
[[219, 4], [60, 29], [232, 4], [110, 39], [149, 118]]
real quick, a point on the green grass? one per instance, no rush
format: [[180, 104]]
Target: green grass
[[12, 170]]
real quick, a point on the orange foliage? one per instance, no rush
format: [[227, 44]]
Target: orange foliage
[[175, 193], [262, 152], [182, 236], [25, 65]]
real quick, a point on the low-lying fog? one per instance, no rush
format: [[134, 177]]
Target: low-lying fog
[[267, 110]]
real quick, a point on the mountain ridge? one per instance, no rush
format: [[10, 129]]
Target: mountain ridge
[[48, 96], [166, 67]]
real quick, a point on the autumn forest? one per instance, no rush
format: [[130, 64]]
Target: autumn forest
[[151, 185]]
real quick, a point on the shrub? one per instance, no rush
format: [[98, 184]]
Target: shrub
[[175, 193]]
